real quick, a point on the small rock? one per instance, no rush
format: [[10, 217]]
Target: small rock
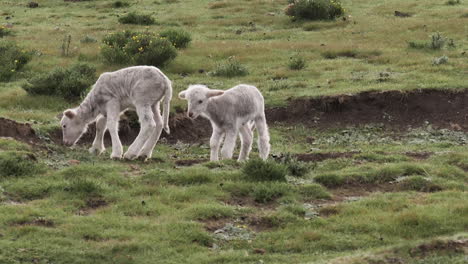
[[74, 162], [33, 4], [259, 251]]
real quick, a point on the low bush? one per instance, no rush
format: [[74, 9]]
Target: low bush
[[69, 83], [137, 19], [268, 192], [133, 48], [178, 37], [295, 168], [436, 42], [259, 170], [12, 60], [315, 9], [230, 68]]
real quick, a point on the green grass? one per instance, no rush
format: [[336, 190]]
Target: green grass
[[379, 202]]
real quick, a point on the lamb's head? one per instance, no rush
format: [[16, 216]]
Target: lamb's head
[[198, 96], [73, 126]]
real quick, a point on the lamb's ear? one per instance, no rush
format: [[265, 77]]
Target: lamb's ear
[[182, 94], [70, 113], [213, 93]]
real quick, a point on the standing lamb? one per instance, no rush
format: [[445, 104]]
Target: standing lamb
[[139, 88], [230, 112]]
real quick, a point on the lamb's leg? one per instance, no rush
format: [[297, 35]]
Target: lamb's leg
[[229, 143], [98, 143], [147, 128], [215, 143], [113, 116], [246, 142], [147, 150]]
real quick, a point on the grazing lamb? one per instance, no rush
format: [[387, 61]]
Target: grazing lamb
[[140, 88], [230, 112]]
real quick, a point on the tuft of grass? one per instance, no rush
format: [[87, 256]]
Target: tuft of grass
[[230, 68], [210, 211], [19, 164], [259, 170], [347, 53], [295, 168], [85, 188], [418, 183], [315, 9], [137, 19], [268, 192], [313, 191], [297, 63], [120, 4], [453, 2]]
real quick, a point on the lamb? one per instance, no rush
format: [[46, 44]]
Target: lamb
[[139, 88], [237, 110]]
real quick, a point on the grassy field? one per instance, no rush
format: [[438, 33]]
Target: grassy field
[[350, 195]]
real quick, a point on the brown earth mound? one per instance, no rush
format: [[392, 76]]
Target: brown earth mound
[[395, 109], [18, 131]]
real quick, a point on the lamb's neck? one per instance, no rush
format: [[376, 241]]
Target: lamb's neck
[[88, 109]]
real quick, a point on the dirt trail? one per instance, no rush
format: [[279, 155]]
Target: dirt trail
[[395, 109]]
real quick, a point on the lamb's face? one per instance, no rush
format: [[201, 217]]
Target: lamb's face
[[72, 127], [198, 97]]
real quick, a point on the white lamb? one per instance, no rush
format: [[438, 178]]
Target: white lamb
[[140, 88], [230, 112]]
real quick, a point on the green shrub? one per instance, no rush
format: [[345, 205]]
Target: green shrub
[[137, 19], [12, 59], [4, 31], [418, 183], [315, 9], [178, 37], [259, 170], [133, 48], [18, 164], [120, 4], [230, 68], [70, 83], [297, 63]]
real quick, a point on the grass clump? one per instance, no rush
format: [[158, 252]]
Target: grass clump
[[268, 192], [314, 191], [18, 164], [4, 31], [85, 188], [453, 2], [259, 170], [297, 63], [230, 68], [133, 48], [331, 54], [315, 9], [295, 168], [120, 4], [436, 42], [12, 60], [178, 37], [137, 19], [418, 183], [210, 211], [69, 83]]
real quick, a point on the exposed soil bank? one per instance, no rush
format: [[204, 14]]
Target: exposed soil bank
[[395, 109]]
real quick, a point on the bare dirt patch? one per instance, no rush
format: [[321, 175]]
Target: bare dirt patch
[[40, 221], [395, 109], [189, 162], [19, 131], [448, 246]]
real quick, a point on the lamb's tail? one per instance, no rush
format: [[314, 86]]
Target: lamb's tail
[[263, 136], [167, 107]]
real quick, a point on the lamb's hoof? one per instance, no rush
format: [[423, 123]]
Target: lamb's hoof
[[130, 156], [96, 151], [143, 158], [116, 156]]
